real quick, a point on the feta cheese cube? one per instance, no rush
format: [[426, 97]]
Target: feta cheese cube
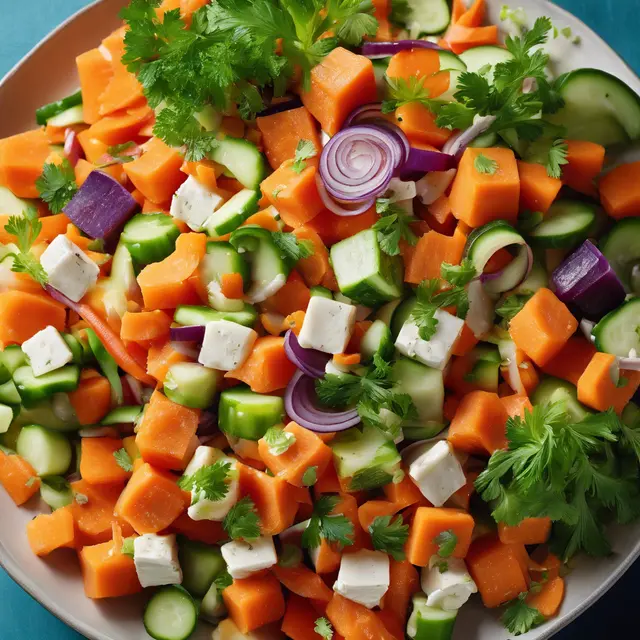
[[327, 325], [226, 345], [437, 472], [6, 418], [47, 351], [437, 351], [244, 558], [447, 583], [156, 560], [194, 203], [363, 577], [68, 268]]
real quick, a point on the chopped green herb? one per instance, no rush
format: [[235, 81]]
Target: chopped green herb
[[123, 459], [485, 165], [324, 526], [389, 536], [57, 185], [519, 617], [306, 149], [393, 226], [242, 521], [208, 483], [310, 477], [323, 628], [279, 440], [26, 228], [447, 542]]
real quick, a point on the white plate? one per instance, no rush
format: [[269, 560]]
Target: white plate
[[48, 73]]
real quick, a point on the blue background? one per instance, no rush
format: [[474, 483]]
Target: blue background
[[24, 23]]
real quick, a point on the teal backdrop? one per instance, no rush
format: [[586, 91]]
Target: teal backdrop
[[23, 24]]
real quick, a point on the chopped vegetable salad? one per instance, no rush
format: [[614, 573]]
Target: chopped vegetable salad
[[319, 319]]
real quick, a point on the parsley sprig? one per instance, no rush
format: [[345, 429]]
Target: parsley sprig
[[208, 483], [512, 305], [305, 150], [291, 248], [551, 153], [324, 525], [242, 521], [123, 459], [486, 165], [323, 628], [393, 226], [279, 440], [26, 229], [57, 185], [519, 617], [447, 542], [389, 535]]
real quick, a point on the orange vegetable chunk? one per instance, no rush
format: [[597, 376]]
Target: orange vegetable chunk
[[571, 361], [121, 126], [372, 509], [107, 573], [355, 622], [431, 251], [404, 581], [548, 600], [145, 325], [92, 399], [516, 405], [619, 191], [537, 189], [299, 619], [95, 72], [303, 582], [403, 494], [48, 532], [419, 124], [98, 464], [22, 158], [585, 161], [314, 268], [529, 531], [18, 478]]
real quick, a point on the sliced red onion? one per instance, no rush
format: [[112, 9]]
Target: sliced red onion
[[72, 148], [310, 361], [481, 309], [586, 326], [457, 144], [208, 424], [629, 364], [421, 161], [285, 105], [337, 208], [193, 333], [189, 349], [434, 185], [300, 402], [375, 50], [367, 113]]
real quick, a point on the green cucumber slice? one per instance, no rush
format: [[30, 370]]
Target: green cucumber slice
[[191, 385], [242, 159], [48, 111], [190, 315], [430, 623], [212, 607], [483, 57], [377, 340], [56, 492], [201, 563], [12, 205], [618, 332], [122, 415], [553, 390], [72, 115], [222, 258], [621, 247], [42, 413], [150, 237], [322, 292], [425, 17], [48, 452], [171, 614], [13, 357], [245, 414], [107, 364], [32, 389], [233, 213], [566, 225], [9, 393]]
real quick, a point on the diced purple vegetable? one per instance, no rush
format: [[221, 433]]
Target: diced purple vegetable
[[587, 281], [192, 333], [101, 207]]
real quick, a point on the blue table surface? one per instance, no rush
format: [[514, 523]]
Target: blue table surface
[[23, 24]]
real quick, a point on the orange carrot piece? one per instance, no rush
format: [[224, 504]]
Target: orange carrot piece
[[542, 327], [92, 399], [516, 405], [478, 198], [347, 359], [314, 268], [431, 251], [597, 389], [163, 283], [459, 38], [571, 361], [404, 493], [423, 65], [404, 581], [619, 191], [23, 314], [205, 531], [152, 500], [537, 189], [18, 478], [585, 162], [462, 497], [98, 464], [529, 531], [95, 72], [282, 132], [479, 426], [474, 15], [419, 124], [161, 358], [52, 226], [372, 509], [465, 342], [303, 582], [332, 228], [22, 158], [48, 532], [108, 574], [165, 435], [264, 219], [339, 84], [548, 600], [356, 622], [120, 127], [293, 297], [145, 325], [232, 286], [299, 619], [499, 570]]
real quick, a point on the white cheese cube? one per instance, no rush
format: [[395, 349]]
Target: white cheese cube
[[69, 269], [156, 560], [437, 351], [363, 577], [226, 345], [327, 325], [47, 351], [437, 472], [203, 457], [194, 203], [447, 583], [244, 558], [6, 418]]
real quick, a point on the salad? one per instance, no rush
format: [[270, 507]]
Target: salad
[[319, 318]]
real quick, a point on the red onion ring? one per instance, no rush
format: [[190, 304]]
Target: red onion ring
[[337, 208], [423, 161], [310, 361], [375, 50], [365, 114], [457, 144], [73, 150], [300, 404]]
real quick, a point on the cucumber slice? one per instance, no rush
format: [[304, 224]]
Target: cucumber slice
[[380, 66], [364, 273], [485, 241], [537, 279], [201, 563], [486, 367], [122, 415], [621, 247], [212, 607], [32, 389], [9, 393], [56, 492], [5, 374], [553, 390], [401, 315], [377, 340], [386, 312], [597, 107], [12, 358], [242, 159], [478, 58], [485, 141], [188, 316], [449, 61], [150, 237], [426, 388], [12, 205], [42, 413], [72, 115], [618, 332], [48, 111], [191, 385], [430, 623], [426, 17], [322, 292], [233, 213], [6, 418], [48, 452], [107, 364], [566, 225], [171, 614], [245, 414], [221, 258], [76, 348]]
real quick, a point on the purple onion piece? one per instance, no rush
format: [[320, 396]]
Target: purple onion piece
[[193, 333], [285, 105], [629, 364], [422, 161], [101, 207], [337, 208], [385, 49], [587, 281], [365, 114], [457, 144], [72, 148], [208, 424], [300, 402], [310, 361]]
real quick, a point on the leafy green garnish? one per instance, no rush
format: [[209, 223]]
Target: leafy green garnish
[[394, 225], [368, 479], [123, 459], [447, 542], [242, 521], [291, 249], [324, 526], [519, 617], [484, 164], [389, 535], [512, 305], [279, 440], [223, 580], [310, 477], [208, 483], [57, 185], [323, 628], [26, 228], [306, 149], [128, 547], [549, 152]]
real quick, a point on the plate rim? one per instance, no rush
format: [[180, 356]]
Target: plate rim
[[22, 579]]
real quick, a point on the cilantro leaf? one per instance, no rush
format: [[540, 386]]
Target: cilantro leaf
[[223, 580], [393, 226], [80, 498], [550, 153], [123, 459], [306, 149], [26, 229], [447, 542], [291, 249], [459, 275], [402, 92], [512, 305], [177, 127], [323, 628], [242, 521], [353, 29], [519, 617], [324, 526], [485, 165], [208, 482], [279, 440], [368, 479], [57, 185], [389, 536]]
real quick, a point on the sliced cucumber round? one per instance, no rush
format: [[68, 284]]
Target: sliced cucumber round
[[201, 563], [172, 614], [191, 385], [485, 57], [426, 17], [401, 314], [32, 389], [621, 247], [247, 415], [56, 492], [48, 452], [566, 225], [618, 332], [190, 315], [554, 390], [598, 107], [377, 340], [242, 159], [449, 61], [150, 237]]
